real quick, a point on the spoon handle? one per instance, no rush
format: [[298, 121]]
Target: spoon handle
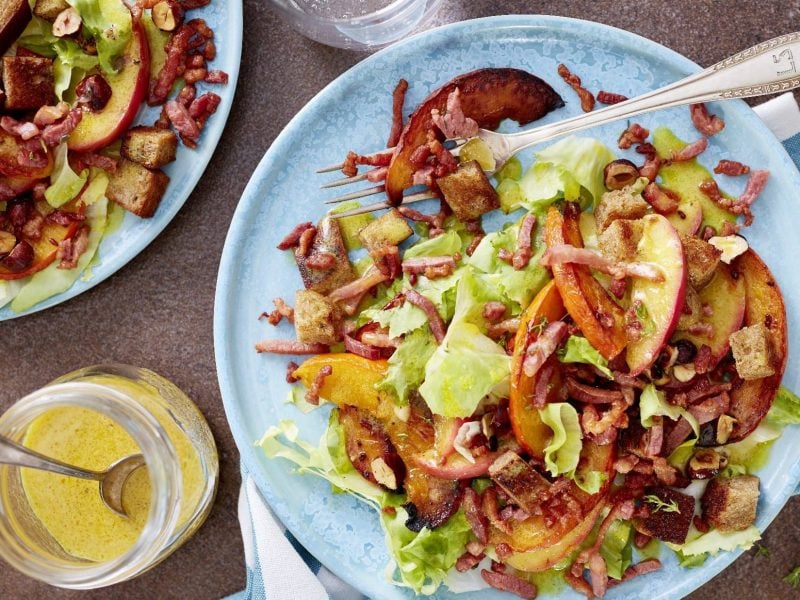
[[12, 453]]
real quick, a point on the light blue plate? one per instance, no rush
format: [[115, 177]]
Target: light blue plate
[[134, 234], [354, 112]]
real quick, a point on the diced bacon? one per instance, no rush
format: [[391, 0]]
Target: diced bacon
[[359, 287], [646, 566], [321, 261], [650, 167], [706, 124], [475, 516], [420, 156], [187, 95], [312, 394], [494, 311], [21, 129], [6, 192], [655, 438], [634, 134], [665, 472], [598, 573], [492, 511], [475, 547], [353, 159], [434, 320], [565, 253], [34, 225], [454, 123], [290, 347], [291, 367], [53, 134], [177, 48], [468, 561], [377, 174], [587, 99], [523, 253], [359, 348], [423, 264], [423, 176], [70, 250], [387, 261], [498, 330], [663, 201], [282, 310], [415, 215], [690, 151], [592, 394], [604, 97], [217, 76], [510, 583], [183, 122], [203, 107], [293, 238], [731, 168], [94, 159], [542, 386], [755, 185], [711, 408], [398, 100], [444, 162], [543, 346], [578, 583], [379, 338], [33, 154]]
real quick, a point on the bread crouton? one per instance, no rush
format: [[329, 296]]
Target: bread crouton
[[619, 240], [523, 484], [671, 514], [28, 82], [619, 204], [701, 260], [752, 352], [137, 188], [14, 17], [151, 147], [317, 320], [729, 504], [328, 246], [49, 9], [388, 230], [468, 191]]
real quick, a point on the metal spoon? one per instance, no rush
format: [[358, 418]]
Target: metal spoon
[[112, 480]]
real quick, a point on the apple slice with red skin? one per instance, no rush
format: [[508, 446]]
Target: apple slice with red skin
[[725, 296], [594, 311], [129, 87], [688, 217], [534, 533], [662, 301], [750, 400], [529, 429], [488, 96]]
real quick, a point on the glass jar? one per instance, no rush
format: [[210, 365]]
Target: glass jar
[[137, 407]]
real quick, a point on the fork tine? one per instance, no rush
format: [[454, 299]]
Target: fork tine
[[356, 195], [338, 166], [344, 181], [410, 199]]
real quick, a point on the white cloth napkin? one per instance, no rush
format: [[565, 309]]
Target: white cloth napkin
[[278, 568]]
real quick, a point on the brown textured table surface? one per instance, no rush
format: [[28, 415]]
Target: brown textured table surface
[[157, 311]]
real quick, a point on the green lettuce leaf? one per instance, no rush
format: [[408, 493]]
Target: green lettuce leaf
[[579, 350], [511, 170], [110, 25], [749, 454], [785, 409], [590, 481], [70, 65], [349, 226], [66, 184], [617, 548], [407, 365], [562, 454], [38, 37], [467, 365], [8, 291], [653, 403], [51, 280], [445, 244], [716, 541]]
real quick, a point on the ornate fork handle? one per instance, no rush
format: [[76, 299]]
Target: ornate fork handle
[[766, 68]]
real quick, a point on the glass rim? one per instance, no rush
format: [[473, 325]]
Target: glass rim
[[386, 11]]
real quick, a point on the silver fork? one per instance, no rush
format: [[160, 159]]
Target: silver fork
[[766, 68]]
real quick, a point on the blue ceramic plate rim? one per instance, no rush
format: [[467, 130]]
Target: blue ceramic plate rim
[[229, 26], [227, 284]]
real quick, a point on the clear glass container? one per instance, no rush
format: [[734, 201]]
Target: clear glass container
[[182, 466], [357, 24]]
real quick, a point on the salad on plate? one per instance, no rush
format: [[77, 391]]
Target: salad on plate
[[75, 75], [563, 369]]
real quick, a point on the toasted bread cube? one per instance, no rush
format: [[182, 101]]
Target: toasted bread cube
[[523, 484], [28, 82], [388, 230], [729, 504], [468, 191], [671, 514], [317, 320], [151, 147], [327, 241], [14, 17], [752, 352], [619, 204], [620, 239], [701, 260], [137, 188], [49, 9]]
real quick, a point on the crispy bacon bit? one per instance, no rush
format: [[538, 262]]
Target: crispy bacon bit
[[566, 253], [587, 99], [282, 310], [732, 168], [711, 408], [377, 174], [6, 192], [578, 583], [415, 215], [434, 320], [379, 338], [177, 48], [740, 206], [359, 287], [32, 154], [475, 516], [598, 573], [592, 394], [643, 568], [665, 472], [542, 386], [53, 134], [655, 438], [634, 134], [543, 346], [468, 561], [434, 265], [700, 524], [650, 167], [510, 583], [290, 347], [604, 427], [523, 253], [291, 367], [93, 159], [353, 159], [618, 287], [33, 226], [663, 201], [359, 348], [604, 97], [203, 107], [183, 122], [454, 123], [322, 261], [312, 395], [498, 330], [755, 185], [475, 547], [217, 76], [21, 129], [305, 241], [494, 311], [492, 511], [690, 151], [47, 115], [293, 238], [398, 99], [706, 124], [387, 260], [70, 250]]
